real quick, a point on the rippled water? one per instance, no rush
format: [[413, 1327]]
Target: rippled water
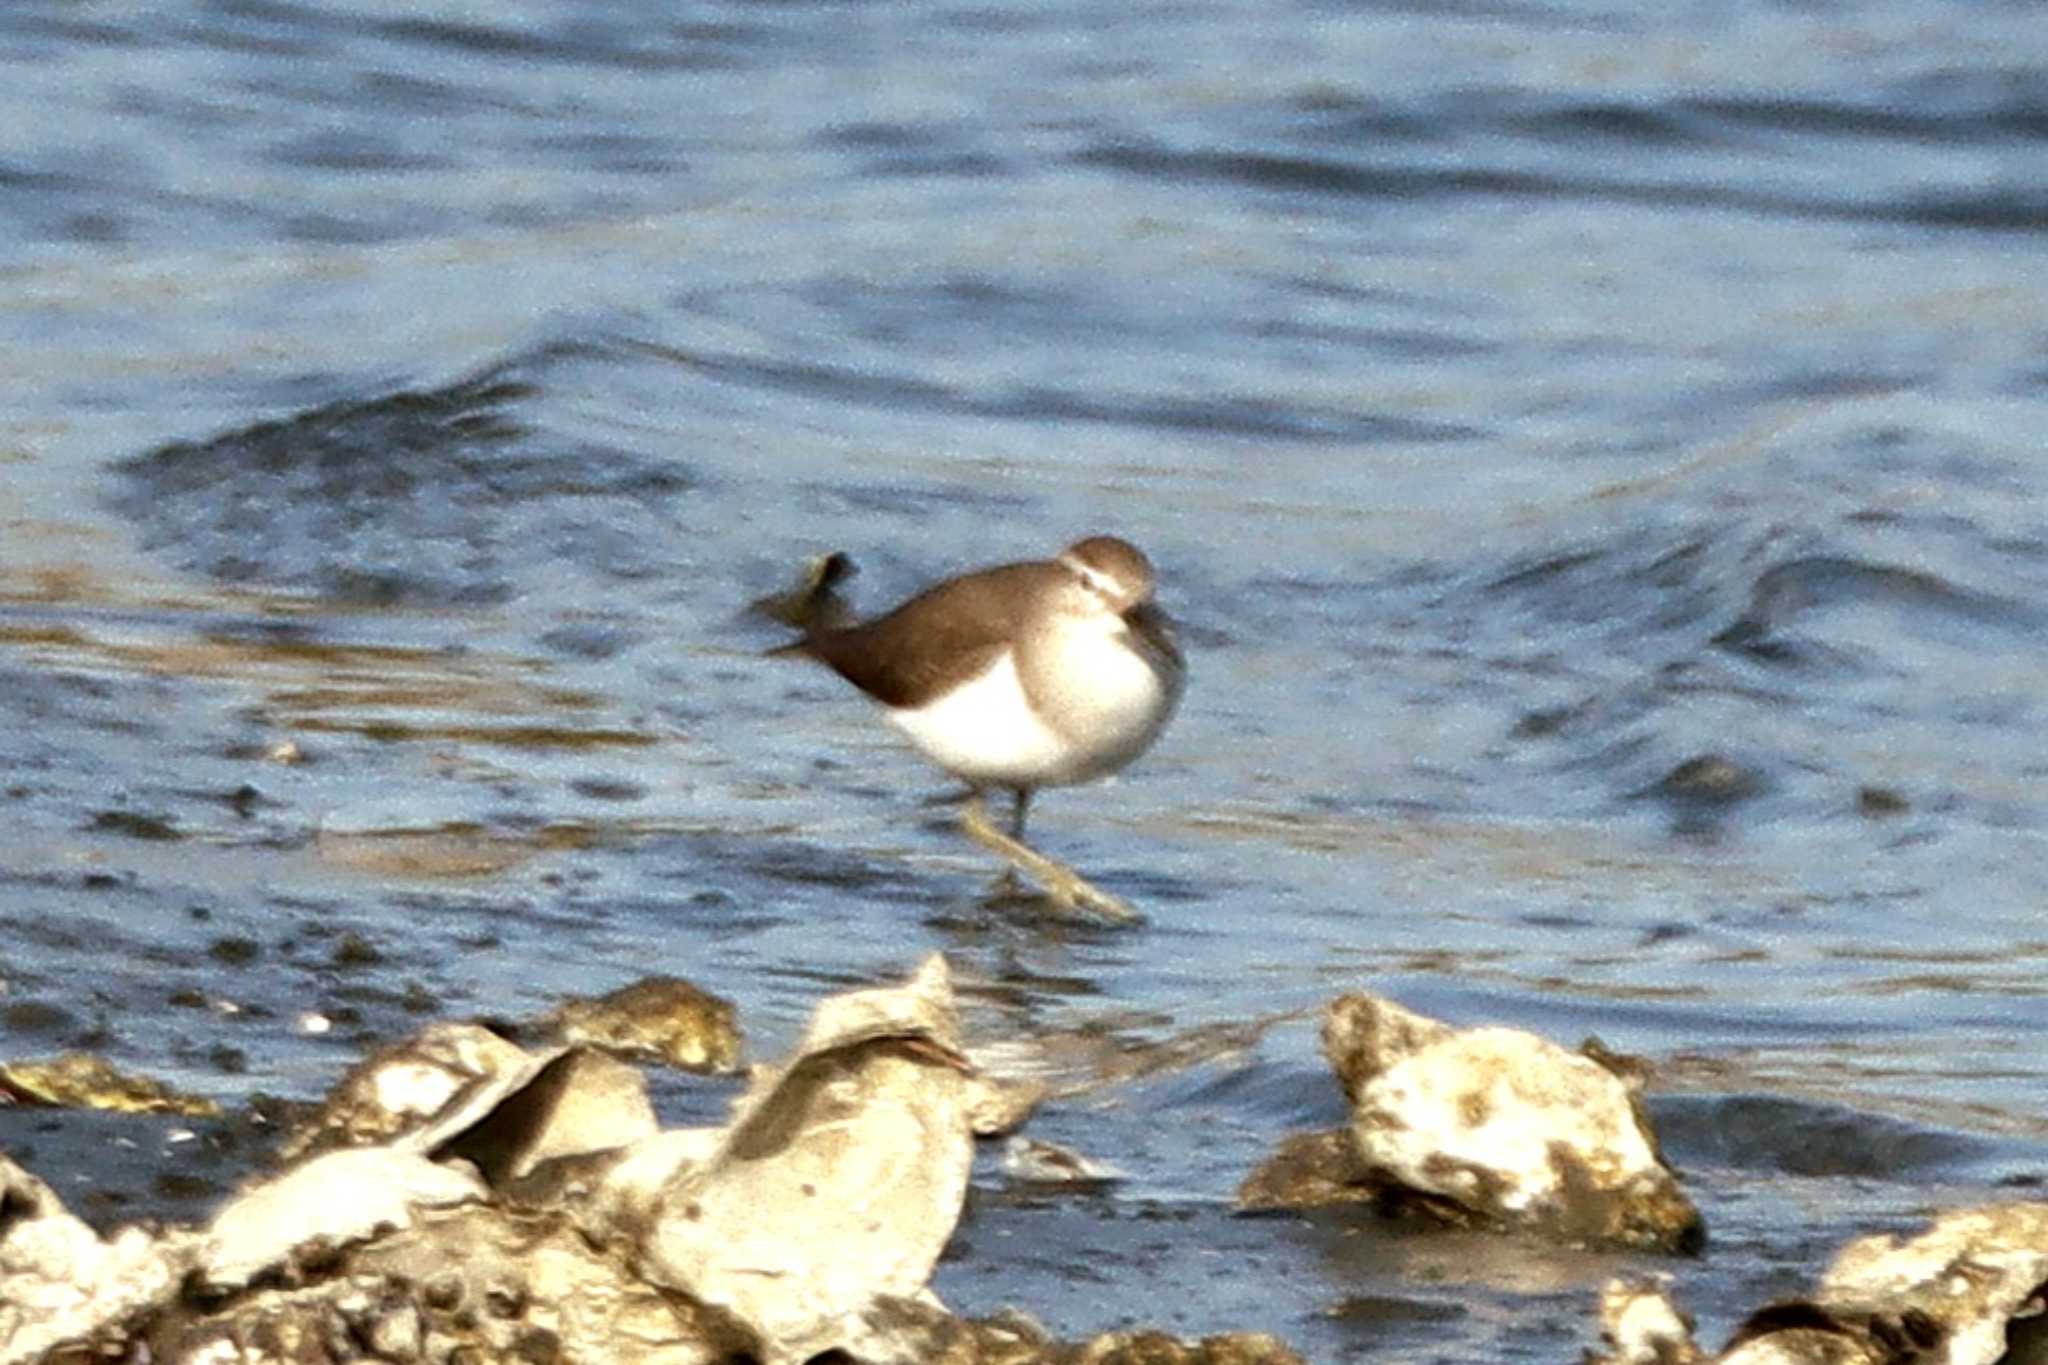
[[1594, 453]]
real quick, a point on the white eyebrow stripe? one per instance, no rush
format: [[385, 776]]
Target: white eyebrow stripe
[[1092, 576]]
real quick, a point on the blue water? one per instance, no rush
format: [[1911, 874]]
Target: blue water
[[1520, 401]]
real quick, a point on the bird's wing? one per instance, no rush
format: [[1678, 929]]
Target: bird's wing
[[940, 638]]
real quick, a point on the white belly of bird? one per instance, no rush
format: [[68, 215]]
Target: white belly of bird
[[1108, 706]]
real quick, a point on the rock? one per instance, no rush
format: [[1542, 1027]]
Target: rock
[[1360, 1041], [63, 1284], [1966, 1291], [1310, 1171], [807, 1227], [1514, 1128], [79, 1080], [1709, 780], [838, 1182], [1486, 1126], [402, 1086], [328, 1202], [1969, 1284], [1158, 1348], [630, 1191], [467, 1283], [1640, 1325], [662, 1017], [998, 1107], [567, 1103]]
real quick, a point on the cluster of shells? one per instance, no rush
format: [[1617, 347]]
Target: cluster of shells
[[461, 1198]]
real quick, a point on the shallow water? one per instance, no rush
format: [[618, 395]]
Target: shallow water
[[1521, 402]]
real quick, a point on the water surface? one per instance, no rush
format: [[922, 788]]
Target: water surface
[[1594, 455]]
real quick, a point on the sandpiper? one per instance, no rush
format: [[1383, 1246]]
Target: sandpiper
[[1040, 674]]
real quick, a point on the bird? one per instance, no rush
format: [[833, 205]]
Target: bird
[[1045, 673]]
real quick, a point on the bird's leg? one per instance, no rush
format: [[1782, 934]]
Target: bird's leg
[[1008, 883], [1064, 885]]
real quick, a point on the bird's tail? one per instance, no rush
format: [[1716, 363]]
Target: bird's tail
[[813, 603]]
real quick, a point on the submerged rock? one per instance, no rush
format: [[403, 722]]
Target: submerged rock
[[1030, 1162], [79, 1080], [1310, 1171], [1159, 1348], [1485, 1126], [1969, 1290], [1640, 1325], [662, 1017]]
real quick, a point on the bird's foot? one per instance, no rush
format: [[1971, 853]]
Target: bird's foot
[[1063, 886]]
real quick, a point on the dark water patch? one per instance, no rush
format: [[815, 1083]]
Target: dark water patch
[[609, 789], [1242, 416], [448, 496], [1806, 1138], [1394, 343], [483, 39], [2015, 208], [1644, 578], [576, 41], [796, 862], [898, 149], [1399, 1312], [1228, 416], [352, 151], [617, 152], [334, 229], [1312, 178], [234, 950], [1950, 107], [810, 379], [535, 736], [1793, 588], [1338, 116], [1645, 125], [36, 1016], [288, 39], [426, 94], [1673, 598], [1300, 174], [64, 29], [1296, 1092], [593, 640], [135, 825]]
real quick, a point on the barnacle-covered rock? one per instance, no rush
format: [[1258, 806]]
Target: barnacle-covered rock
[[837, 1183], [400, 1087], [1486, 1126], [79, 1080], [62, 1284], [661, 1017]]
